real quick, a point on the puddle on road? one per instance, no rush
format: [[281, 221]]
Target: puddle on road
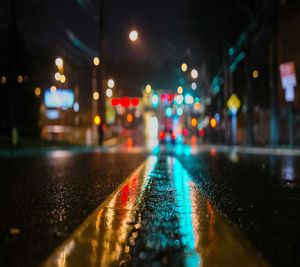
[[156, 217]]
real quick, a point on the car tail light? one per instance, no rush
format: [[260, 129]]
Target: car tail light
[[173, 136], [162, 135]]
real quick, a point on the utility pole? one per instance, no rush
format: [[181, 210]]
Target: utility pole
[[101, 70], [226, 89], [13, 74], [273, 75], [250, 133]]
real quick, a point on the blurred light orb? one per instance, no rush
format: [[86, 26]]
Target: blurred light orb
[[179, 111], [179, 99], [148, 89], [37, 91], [57, 76], [194, 74], [96, 95], [3, 79], [180, 90], [97, 120], [197, 106], [184, 67], [76, 107], [133, 35], [109, 92], [20, 79], [111, 83], [213, 123], [194, 86], [155, 100], [53, 89], [255, 74], [129, 117], [189, 99], [62, 78], [96, 61], [59, 62], [194, 122]]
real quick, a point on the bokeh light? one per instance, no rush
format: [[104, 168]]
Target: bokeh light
[[184, 67], [96, 61], [96, 95], [194, 74], [111, 83], [133, 35]]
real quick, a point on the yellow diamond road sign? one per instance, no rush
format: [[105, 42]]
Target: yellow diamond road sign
[[233, 103]]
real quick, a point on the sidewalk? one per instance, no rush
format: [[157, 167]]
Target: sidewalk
[[39, 147], [252, 149]]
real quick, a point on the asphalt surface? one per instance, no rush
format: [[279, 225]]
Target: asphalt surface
[[43, 199], [260, 194]]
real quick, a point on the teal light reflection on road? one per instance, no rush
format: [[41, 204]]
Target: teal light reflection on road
[[183, 200]]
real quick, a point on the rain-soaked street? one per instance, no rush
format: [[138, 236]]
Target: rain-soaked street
[[176, 206]]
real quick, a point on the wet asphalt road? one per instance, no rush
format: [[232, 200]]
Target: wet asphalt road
[[47, 197]]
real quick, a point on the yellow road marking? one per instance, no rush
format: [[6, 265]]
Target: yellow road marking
[[107, 236]]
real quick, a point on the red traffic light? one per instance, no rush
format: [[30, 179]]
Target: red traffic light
[[135, 101], [115, 101], [125, 101]]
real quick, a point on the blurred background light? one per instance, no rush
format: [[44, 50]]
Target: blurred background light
[[184, 67], [96, 61], [194, 74], [111, 83], [148, 89], [109, 92], [96, 95]]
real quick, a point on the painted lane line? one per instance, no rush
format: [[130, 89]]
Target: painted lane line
[[101, 239], [156, 216]]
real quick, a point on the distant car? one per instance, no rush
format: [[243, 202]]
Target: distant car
[[167, 136]]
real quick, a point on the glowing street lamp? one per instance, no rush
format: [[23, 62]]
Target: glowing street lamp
[[96, 95], [37, 91], [111, 83], [179, 90], [62, 78], [57, 76], [109, 92], [133, 36], [96, 61], [148, 89], [59, 63], [194, 74], [184, 67]]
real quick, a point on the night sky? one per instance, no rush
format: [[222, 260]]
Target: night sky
[[160, 25]]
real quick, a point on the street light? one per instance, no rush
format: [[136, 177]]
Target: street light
[[194, 86], [148, 89], [194, 74], [37, 91], [96, 61], [59, 63], [179, 90], [62, 78], [57, 76], [111, 83], [109, 92], [133, 36], [96, 95], [184, 67]]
